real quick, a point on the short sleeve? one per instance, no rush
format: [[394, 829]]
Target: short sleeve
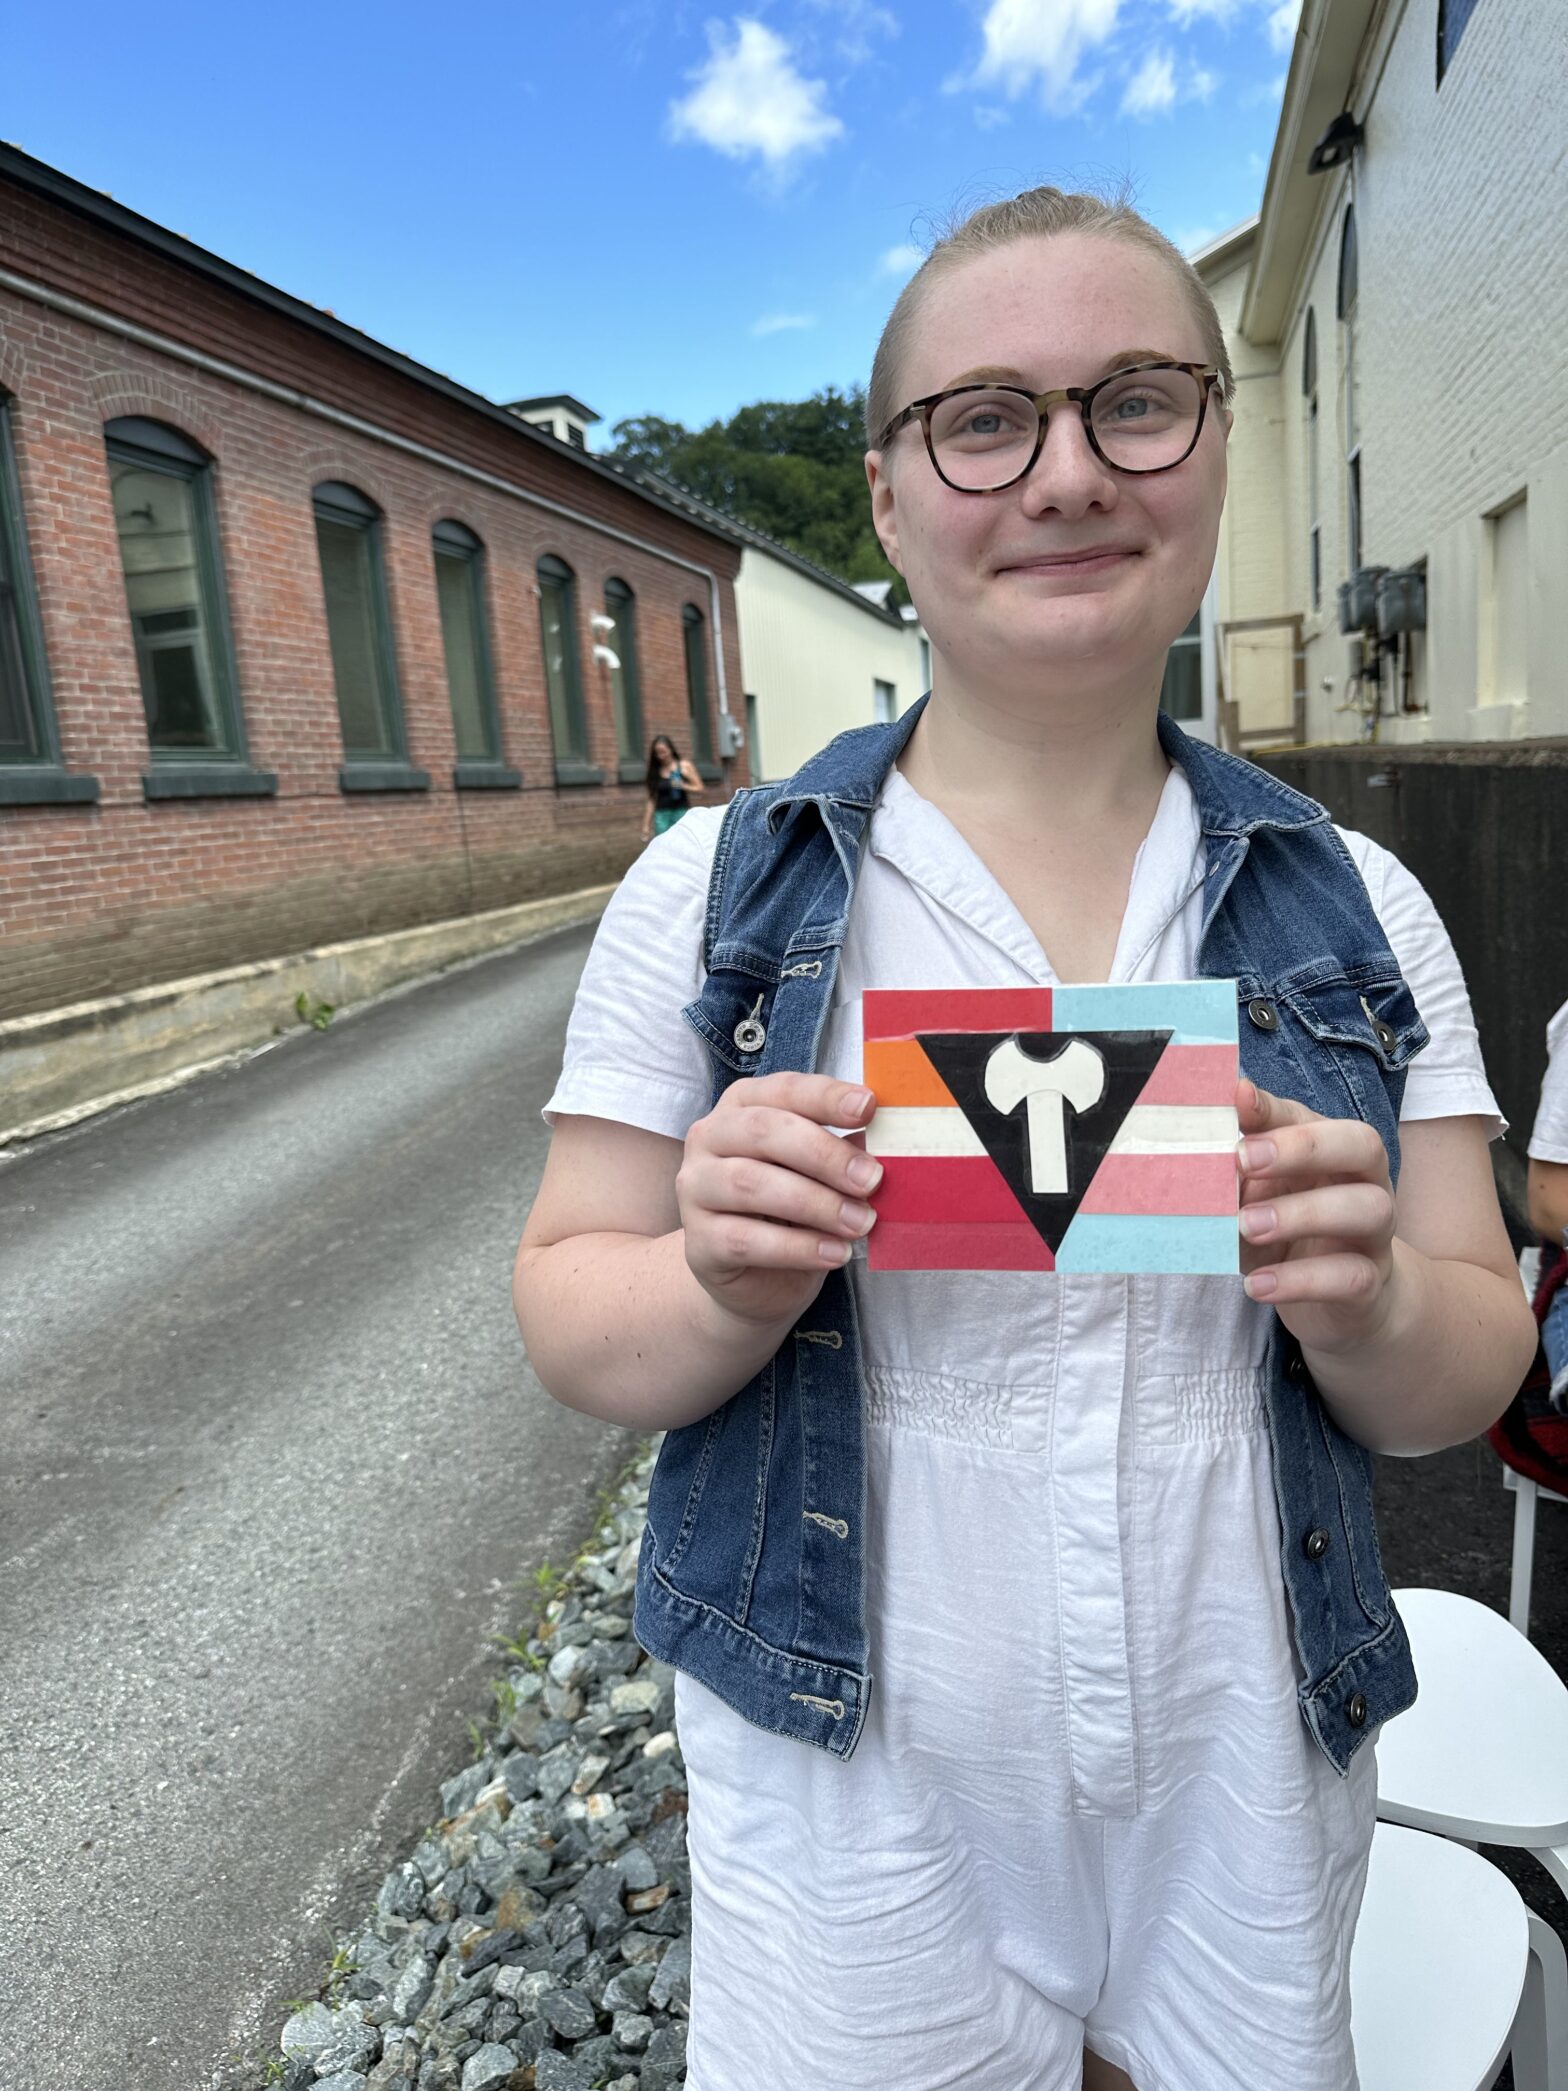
[[1447, 1079], [630, 1054], [1549, 1138]]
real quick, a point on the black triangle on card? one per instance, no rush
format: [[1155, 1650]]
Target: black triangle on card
[[1095, 1078]]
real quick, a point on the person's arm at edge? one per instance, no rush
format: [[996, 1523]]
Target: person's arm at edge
[[1548, 1190]]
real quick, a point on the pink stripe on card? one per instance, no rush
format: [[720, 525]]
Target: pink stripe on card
[[1191, 1184], [1192, 1074]]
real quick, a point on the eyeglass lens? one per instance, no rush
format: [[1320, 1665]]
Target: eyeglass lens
[[1141, 423]]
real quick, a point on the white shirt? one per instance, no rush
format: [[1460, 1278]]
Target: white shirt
[[1549, 1136], [1083, 1766]]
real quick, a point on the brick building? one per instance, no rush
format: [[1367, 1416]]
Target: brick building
[[300, 641]]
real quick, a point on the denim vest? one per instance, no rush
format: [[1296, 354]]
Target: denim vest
[[752, 1572]]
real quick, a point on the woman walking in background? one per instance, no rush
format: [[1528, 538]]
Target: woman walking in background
[[672, 785]]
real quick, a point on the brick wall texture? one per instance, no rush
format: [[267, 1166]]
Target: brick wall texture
[[95, 899]]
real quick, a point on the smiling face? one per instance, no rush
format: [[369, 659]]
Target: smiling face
[[1077, 577], [662, 751]]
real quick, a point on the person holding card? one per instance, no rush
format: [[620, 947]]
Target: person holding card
[[1029, 1623]]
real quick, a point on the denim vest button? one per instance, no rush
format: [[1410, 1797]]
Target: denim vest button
[[749, 1034], [1295, 1366], [1263, 1013], [1356, 1710], [1316, 1544]]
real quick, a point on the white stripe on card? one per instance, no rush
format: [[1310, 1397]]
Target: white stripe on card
[[1177, 1129], [901, 1129]]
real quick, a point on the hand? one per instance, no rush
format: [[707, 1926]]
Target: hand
[[1317, 1219], [770, 1200]]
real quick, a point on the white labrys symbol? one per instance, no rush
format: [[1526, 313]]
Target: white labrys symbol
[[1075, 1076]]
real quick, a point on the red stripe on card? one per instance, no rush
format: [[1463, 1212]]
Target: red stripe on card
[[896, 1012], [1162, 1183], [930, 1190], [1192, 1074], [913, 1246]]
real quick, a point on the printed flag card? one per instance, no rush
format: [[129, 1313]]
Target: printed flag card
[[1062, 1128]]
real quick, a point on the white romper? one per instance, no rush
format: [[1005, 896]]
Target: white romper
[[1083, 1806]]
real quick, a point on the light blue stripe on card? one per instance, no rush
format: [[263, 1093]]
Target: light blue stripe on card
[[1200, 1012], [1164, 1242]]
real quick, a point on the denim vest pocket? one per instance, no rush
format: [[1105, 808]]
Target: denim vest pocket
[[1365, 1022], [732, 1014]]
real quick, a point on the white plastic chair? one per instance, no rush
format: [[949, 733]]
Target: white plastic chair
[[1527, 1494], [1437, 1970], [1482, 1758]]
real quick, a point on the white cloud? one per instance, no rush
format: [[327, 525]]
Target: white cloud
[[782, 323], [1185, 12], [1040, 43], [749, 100], [1282, 24], [989, 115], [1152, 88], [1201, 83], [902, 260]]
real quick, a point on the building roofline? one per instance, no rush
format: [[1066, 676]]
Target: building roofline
[[1226, 245], [1324, 62], [103, 210], [748, 533]]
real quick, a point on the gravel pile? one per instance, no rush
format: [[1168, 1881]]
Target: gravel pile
[[537, 1939]]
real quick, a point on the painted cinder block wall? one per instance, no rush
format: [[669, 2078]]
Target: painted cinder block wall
[[99, 898], [1461, 353]]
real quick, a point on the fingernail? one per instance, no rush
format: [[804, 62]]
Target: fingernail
[[857, 1103], [1257, 1221], [857, 1218], [864, 1172], [1260, 1285], [834, 1252], [1258, 1154]]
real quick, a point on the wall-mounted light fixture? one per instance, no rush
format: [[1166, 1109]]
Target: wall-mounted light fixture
[[1336, 145]]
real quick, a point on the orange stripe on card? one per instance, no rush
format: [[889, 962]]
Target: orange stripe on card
[[896, 1071]]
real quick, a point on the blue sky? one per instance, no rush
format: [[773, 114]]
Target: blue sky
[[658, 206]]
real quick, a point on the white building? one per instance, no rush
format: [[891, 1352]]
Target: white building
[[1398, 318], [818, 654]]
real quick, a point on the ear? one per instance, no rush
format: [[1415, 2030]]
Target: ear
[[884, 511]]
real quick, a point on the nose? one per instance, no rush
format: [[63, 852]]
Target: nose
[[1067, 475]]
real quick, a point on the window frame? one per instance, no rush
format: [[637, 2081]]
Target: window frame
[[695, 650], [1446, 50], [620, 602], [1347, 297], [1309, 391], [455, 542], [40, 777], [337, 502], [149, 445], [572, 765]]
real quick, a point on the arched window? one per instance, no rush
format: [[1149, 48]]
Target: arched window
[[460, 596], [1309, 392], [620, 607], [161, 486], [27, 733], [1453, 18], [562, 672], [1348, 292], [694, 627], [359, 627]]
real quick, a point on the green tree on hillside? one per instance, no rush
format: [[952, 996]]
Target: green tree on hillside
[[793, 468]]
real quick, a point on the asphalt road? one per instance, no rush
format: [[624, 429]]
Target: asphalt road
[[274, 1471]]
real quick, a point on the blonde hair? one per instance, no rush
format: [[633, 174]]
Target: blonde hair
[[1035, 214]]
